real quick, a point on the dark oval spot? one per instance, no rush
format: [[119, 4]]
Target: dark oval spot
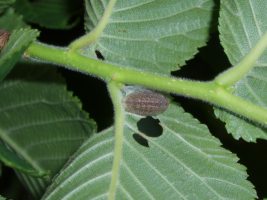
[[99, 55], [150, 127], [140, 140]]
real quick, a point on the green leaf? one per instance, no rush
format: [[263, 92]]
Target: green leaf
[[12, 160], [242, 23], [157, 36], [185, 162], [10, 21], [5, 4], [40, 121], [17, 44], [2, 198], [54, 14]]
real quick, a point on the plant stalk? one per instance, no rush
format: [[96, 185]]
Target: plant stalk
[[116, 98], [207, 91], [96, 32], [237, 72]]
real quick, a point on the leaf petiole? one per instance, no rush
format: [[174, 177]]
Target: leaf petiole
[[237, 72], [210, 92], [116, 97], [96, 32]]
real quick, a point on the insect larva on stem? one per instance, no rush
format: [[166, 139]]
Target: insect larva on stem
[[145, 102]]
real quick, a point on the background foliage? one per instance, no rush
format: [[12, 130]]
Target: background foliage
[[42, 124]]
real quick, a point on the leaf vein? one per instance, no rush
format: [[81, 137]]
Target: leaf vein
[[138, 181], [156, 170]]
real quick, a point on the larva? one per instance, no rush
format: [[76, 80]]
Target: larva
[[145, 103]]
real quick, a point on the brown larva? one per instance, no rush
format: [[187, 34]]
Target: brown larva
[[145, 103], [4, 36]]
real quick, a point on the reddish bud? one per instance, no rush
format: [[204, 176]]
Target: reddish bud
[[4, 36]]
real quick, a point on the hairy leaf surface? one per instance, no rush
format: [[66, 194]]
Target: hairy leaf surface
[[185, 162], [157, 36], [242, 23]]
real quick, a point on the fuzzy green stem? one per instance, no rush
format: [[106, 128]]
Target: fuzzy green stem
[[207, 91], [116, 98], [96, 32], [236, 73]]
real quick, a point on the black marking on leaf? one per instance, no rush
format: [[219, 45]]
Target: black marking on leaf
[[150, 127], [140, 140], [146, 103], [99, 55]]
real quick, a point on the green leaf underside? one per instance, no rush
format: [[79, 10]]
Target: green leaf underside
[[152, 35], [55, 14], [40, 121], [10, 21], [5, 4], [185, 162], [18, 42], [242, 23]]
